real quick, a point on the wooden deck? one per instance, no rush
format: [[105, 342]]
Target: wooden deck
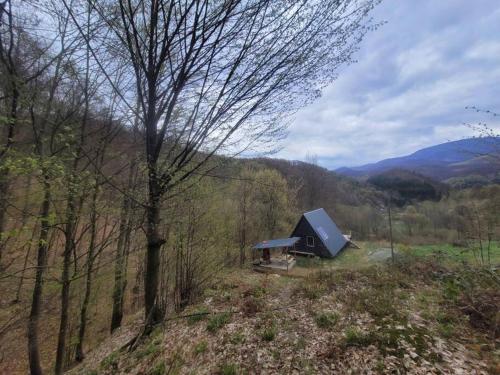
[[277, 264]]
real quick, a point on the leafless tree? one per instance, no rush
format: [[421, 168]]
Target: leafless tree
[[488, 134], [217, 76]]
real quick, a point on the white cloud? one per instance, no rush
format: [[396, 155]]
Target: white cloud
[[414, 78]]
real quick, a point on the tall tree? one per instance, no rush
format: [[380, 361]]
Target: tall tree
[[217, 76], [12, 92], [47, 116]]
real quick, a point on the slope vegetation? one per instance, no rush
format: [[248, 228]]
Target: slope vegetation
[[377, 318]]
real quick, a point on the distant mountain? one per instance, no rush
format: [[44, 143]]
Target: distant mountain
[[452, 159]]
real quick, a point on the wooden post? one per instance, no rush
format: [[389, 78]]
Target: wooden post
[[286, 259]]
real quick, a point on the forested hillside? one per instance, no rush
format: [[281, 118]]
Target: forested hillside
[[126, 194]]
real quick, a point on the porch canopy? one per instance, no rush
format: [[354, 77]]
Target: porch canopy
[[280, 242]]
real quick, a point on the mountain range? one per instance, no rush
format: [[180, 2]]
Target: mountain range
[[472, 156]]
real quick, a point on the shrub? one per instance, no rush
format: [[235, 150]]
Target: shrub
[[201, 347], [445, 317], [482, 307], [111, 361], [237, 338], [301, 343], [251, 305], [446, 330], [268, 334], [217, 322], [259, 291], [197, 316], [159, 369], [451, 290], [475, 292], [388, 339], [228, 369], [355, 337], [152, 348], [326, 320], [312, 290], [380, 302]]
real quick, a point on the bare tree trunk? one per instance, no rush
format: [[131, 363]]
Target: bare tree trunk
[[26, 247], [4, 188], [25, 264], [5, 171], [65, 280], [243, 223], [33, 346], [121, 254], [71, 224], [79, 354], [154, 243], [8, 60], [43, 243]]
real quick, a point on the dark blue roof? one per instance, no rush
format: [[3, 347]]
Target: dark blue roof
[[326, 229], [281, 242]]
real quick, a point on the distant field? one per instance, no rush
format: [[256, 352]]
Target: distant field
[[374, 252], [459, 254]]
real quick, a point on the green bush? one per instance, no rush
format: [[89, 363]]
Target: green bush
[[380, 302], [111, 361], [446, 330], [152, 348], [251, 305], [217, 321], [201, 347], [268, 333], [355, 337], [313, 290], [159, 369], [258, 292], [228, 369], [388, 339], [326, 320], [237, 338], [451, 290], [197, 316]]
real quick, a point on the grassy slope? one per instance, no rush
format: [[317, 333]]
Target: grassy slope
[[350, 316]]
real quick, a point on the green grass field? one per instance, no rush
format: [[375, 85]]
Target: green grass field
[[452, 253], [376, 252]]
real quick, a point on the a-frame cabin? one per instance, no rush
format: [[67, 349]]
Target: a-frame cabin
[[319, 235]]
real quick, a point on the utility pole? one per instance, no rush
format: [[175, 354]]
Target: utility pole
[[390, 228]]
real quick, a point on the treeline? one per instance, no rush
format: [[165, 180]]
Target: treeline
[[468, 218], [425, 211]]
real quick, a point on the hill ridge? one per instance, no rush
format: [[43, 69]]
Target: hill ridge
[[450, 159]]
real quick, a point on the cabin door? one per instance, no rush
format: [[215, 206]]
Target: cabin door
[[266, 255]]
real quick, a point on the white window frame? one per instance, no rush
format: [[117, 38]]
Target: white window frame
[[310, 241]]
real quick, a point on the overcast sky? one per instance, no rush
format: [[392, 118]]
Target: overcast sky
[[414, 77]]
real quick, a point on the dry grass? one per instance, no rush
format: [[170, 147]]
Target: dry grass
[[379, 318]]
